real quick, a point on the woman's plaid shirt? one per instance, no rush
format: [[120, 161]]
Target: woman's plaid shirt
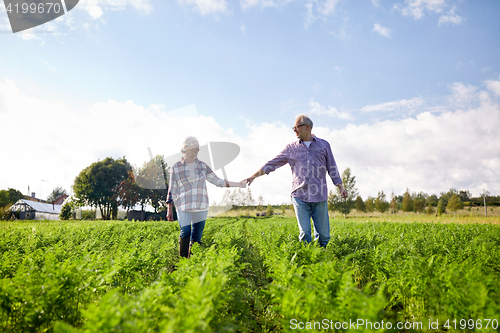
[[189, 195]]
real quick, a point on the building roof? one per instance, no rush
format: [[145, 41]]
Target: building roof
[[39, 206]]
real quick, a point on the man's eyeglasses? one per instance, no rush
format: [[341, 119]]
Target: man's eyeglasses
[[296, 128]]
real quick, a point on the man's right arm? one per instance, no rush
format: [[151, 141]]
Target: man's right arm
[[270, 166], [255, 175]]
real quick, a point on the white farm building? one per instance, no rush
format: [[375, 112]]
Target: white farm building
[[32, 210]]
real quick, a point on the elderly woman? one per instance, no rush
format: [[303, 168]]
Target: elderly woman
[[188, 190]]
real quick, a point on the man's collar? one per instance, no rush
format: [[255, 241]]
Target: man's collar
[[313, 138]]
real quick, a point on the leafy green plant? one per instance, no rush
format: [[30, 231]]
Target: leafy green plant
[[248, 275], [65, 212]]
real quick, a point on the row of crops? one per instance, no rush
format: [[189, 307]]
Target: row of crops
[[248, 276]]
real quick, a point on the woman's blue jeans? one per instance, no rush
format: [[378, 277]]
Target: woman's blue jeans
[[192, 224], [318, 211]]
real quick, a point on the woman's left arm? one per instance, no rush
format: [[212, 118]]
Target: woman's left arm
[[212, 178]]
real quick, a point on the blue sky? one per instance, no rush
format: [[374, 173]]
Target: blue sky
[[395, 87]]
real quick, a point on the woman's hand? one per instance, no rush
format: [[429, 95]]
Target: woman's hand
[[170, 214], [241, 184]]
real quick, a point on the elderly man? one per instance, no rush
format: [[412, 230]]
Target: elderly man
[[310, 158]]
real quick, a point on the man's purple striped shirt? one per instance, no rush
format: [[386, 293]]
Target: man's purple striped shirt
[[309, 168]]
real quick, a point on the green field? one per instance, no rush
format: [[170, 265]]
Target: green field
[[250, 275]]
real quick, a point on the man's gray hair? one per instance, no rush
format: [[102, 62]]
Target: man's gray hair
[[304, 120], [189, 142]]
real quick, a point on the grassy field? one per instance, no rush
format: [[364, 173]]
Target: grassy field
[[461, 216], [392, 274]]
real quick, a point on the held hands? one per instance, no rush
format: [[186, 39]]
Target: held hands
[[249, 180], [241, 184]]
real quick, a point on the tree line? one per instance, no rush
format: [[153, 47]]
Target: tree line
[[421, 202], [109, 184]]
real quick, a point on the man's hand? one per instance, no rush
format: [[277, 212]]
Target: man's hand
[[249, 180], [342, 190]]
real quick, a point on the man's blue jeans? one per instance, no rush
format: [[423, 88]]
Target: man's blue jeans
[[192, 224], [318, 211]]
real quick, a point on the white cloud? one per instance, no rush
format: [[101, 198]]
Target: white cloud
[[494, 86], [320, 110], [245, 4], [93, 9], [431, 152], [96, 8], [383, 31], [328, 7], [317, 9], [28, 35], [310, 18], [406, 104], [417, 8], [451, 18], [242, 28], [463, 95], [205, 7], [62, 141]]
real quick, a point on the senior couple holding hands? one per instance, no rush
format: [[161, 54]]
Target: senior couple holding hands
[[311, 160]]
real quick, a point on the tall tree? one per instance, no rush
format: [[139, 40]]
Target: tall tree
[[260, 203], [430, 209], [129, 193], [441, 206], [455, 203], [153, 179], [344, 205], [370, 204], [9, 197], [407, 203], [446, 196], [359, 204], [98, 184], [4, 198], [228, 199], [465, 195], [249, 200], [419, 202], [393, 205], [56, 194], [380, 203], [432, 200]]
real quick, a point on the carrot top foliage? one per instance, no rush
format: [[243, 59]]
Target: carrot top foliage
[[248, 275]]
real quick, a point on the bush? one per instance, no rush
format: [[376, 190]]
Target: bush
[[430, 209], [269, 210], [65, 212], [88, 214], [441, 207], [5, 212]]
